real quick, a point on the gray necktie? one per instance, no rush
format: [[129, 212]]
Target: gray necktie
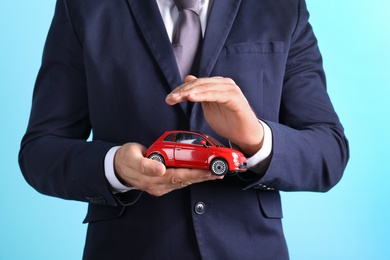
[[187, 35]]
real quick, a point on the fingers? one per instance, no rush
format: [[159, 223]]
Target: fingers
[[194, 86], [189, 78], [215, 89], [186, 177], [178, 178], [151, 176]]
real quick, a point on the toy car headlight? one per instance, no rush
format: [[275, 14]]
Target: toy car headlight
[[235, 158]]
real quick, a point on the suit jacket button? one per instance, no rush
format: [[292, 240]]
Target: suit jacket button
[[200, 208]]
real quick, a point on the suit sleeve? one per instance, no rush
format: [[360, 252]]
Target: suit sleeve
[[310, 150], [55, 157]]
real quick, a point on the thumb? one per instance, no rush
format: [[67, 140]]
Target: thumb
[[152, 167]]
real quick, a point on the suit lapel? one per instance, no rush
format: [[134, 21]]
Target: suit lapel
[[149, 20], [221, 18], [148, 17], [152, 26]]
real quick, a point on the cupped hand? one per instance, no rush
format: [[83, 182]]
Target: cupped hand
[[225, 109], [133, 169]]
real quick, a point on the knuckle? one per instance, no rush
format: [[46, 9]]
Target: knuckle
[[210, 87], [175, 179], [143, 166], [185, 184]]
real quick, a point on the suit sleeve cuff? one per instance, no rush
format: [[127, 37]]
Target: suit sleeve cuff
[[265, 150], [264, 154], [116, 185]]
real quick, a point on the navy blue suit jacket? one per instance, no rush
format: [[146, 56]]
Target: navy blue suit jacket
[[108, 66]]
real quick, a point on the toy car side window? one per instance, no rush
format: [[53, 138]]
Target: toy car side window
[[197, 139], [188, 138], [170, 138]]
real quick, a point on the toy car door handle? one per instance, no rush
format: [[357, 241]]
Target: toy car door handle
[[178, 149]]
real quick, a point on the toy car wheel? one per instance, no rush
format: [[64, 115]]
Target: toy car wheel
[[157, 157], [219, 167]]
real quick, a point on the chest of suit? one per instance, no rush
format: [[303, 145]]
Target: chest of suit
[[130, 63]]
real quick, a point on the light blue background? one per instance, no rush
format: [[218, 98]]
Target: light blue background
[[352, 221]]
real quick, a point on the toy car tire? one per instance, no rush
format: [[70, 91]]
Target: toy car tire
[[219, 167], [157, 157]]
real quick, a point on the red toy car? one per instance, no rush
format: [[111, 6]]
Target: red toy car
[[185, 149]]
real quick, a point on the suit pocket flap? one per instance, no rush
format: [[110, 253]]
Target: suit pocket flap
[[252, 48], [270, 204]]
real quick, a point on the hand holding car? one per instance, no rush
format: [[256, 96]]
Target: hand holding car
[[225, 108], [151, 176]]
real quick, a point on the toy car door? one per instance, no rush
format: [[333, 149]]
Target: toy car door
[[189, 151]]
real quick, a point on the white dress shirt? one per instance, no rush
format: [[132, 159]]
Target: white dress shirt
[[170, 15]]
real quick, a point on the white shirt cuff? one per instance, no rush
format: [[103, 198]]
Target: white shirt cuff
[[265, 150], [116, 185]]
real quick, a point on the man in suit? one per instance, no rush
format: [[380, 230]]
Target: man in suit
[[258, 84]]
